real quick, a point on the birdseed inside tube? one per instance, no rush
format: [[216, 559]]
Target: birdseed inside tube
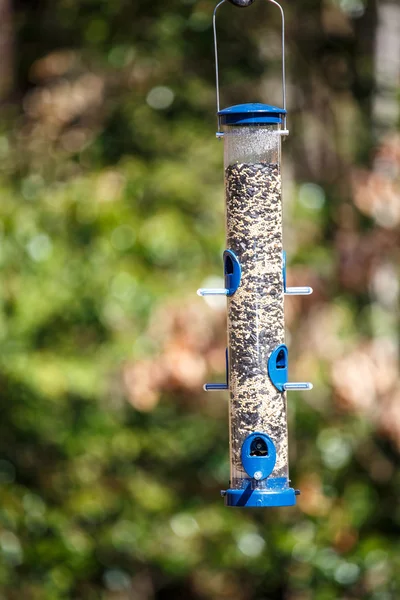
[[256, 310]]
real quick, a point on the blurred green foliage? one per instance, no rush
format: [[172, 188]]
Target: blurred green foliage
[[111, 457]]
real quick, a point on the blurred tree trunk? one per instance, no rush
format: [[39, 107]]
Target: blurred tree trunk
[[6, 49], [387, 67], [332, 66]]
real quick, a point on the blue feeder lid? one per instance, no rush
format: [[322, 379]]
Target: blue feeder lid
[[251, 114]]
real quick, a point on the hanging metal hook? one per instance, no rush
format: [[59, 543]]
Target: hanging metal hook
[[243, 4]]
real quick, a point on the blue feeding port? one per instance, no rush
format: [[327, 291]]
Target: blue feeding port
[[232, 275], [258, 456], [278, 370], [278, 364], [232, 272]]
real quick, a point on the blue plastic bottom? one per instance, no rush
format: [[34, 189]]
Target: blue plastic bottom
[[275, 494]]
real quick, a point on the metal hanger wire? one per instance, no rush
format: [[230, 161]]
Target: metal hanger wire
[[217, 67]]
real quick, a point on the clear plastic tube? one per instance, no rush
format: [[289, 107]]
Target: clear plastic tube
[[256, 309]]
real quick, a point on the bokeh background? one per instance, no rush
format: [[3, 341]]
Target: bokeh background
[[112, 215]]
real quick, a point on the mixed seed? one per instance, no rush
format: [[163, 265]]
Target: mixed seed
[[255, 311]]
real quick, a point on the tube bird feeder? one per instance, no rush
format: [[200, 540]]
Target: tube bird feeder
[[255, 286]]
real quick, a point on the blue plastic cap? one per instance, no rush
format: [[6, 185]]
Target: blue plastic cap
[[251, 114]]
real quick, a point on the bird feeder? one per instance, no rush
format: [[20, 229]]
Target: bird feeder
[[255, 287]]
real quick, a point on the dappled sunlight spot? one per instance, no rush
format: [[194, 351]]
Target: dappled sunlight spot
[[354, 8], [188, 338], [121, 56], [377, 576], [347, 573], [354, 381], [123, 237], [142, 382], [377, 193], [117, 580], [150, 493], [40, 247], [385, 284], [335, 449], [212, 583], [123, 286], [110, 185], [367, 381], [379, 569], [327, 560], [185, 368], [383, 321], [86, 470], [160, 97], [31, 186], [78, 541], [331, 330], [10, 548], [312, 196], [64, 100], [36, 101], [114, 315], [211, 521], [384, 352], [250, 544], [184, 525], [376, 557], [304, 552], [165, 237], [60, 577], [34, 505], [54, 64], [92, 502], [124, 535], [304, 531], [312, 500], [191, 323], [76, 139]]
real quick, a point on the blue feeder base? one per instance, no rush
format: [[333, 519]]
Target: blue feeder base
[[249, 498]]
